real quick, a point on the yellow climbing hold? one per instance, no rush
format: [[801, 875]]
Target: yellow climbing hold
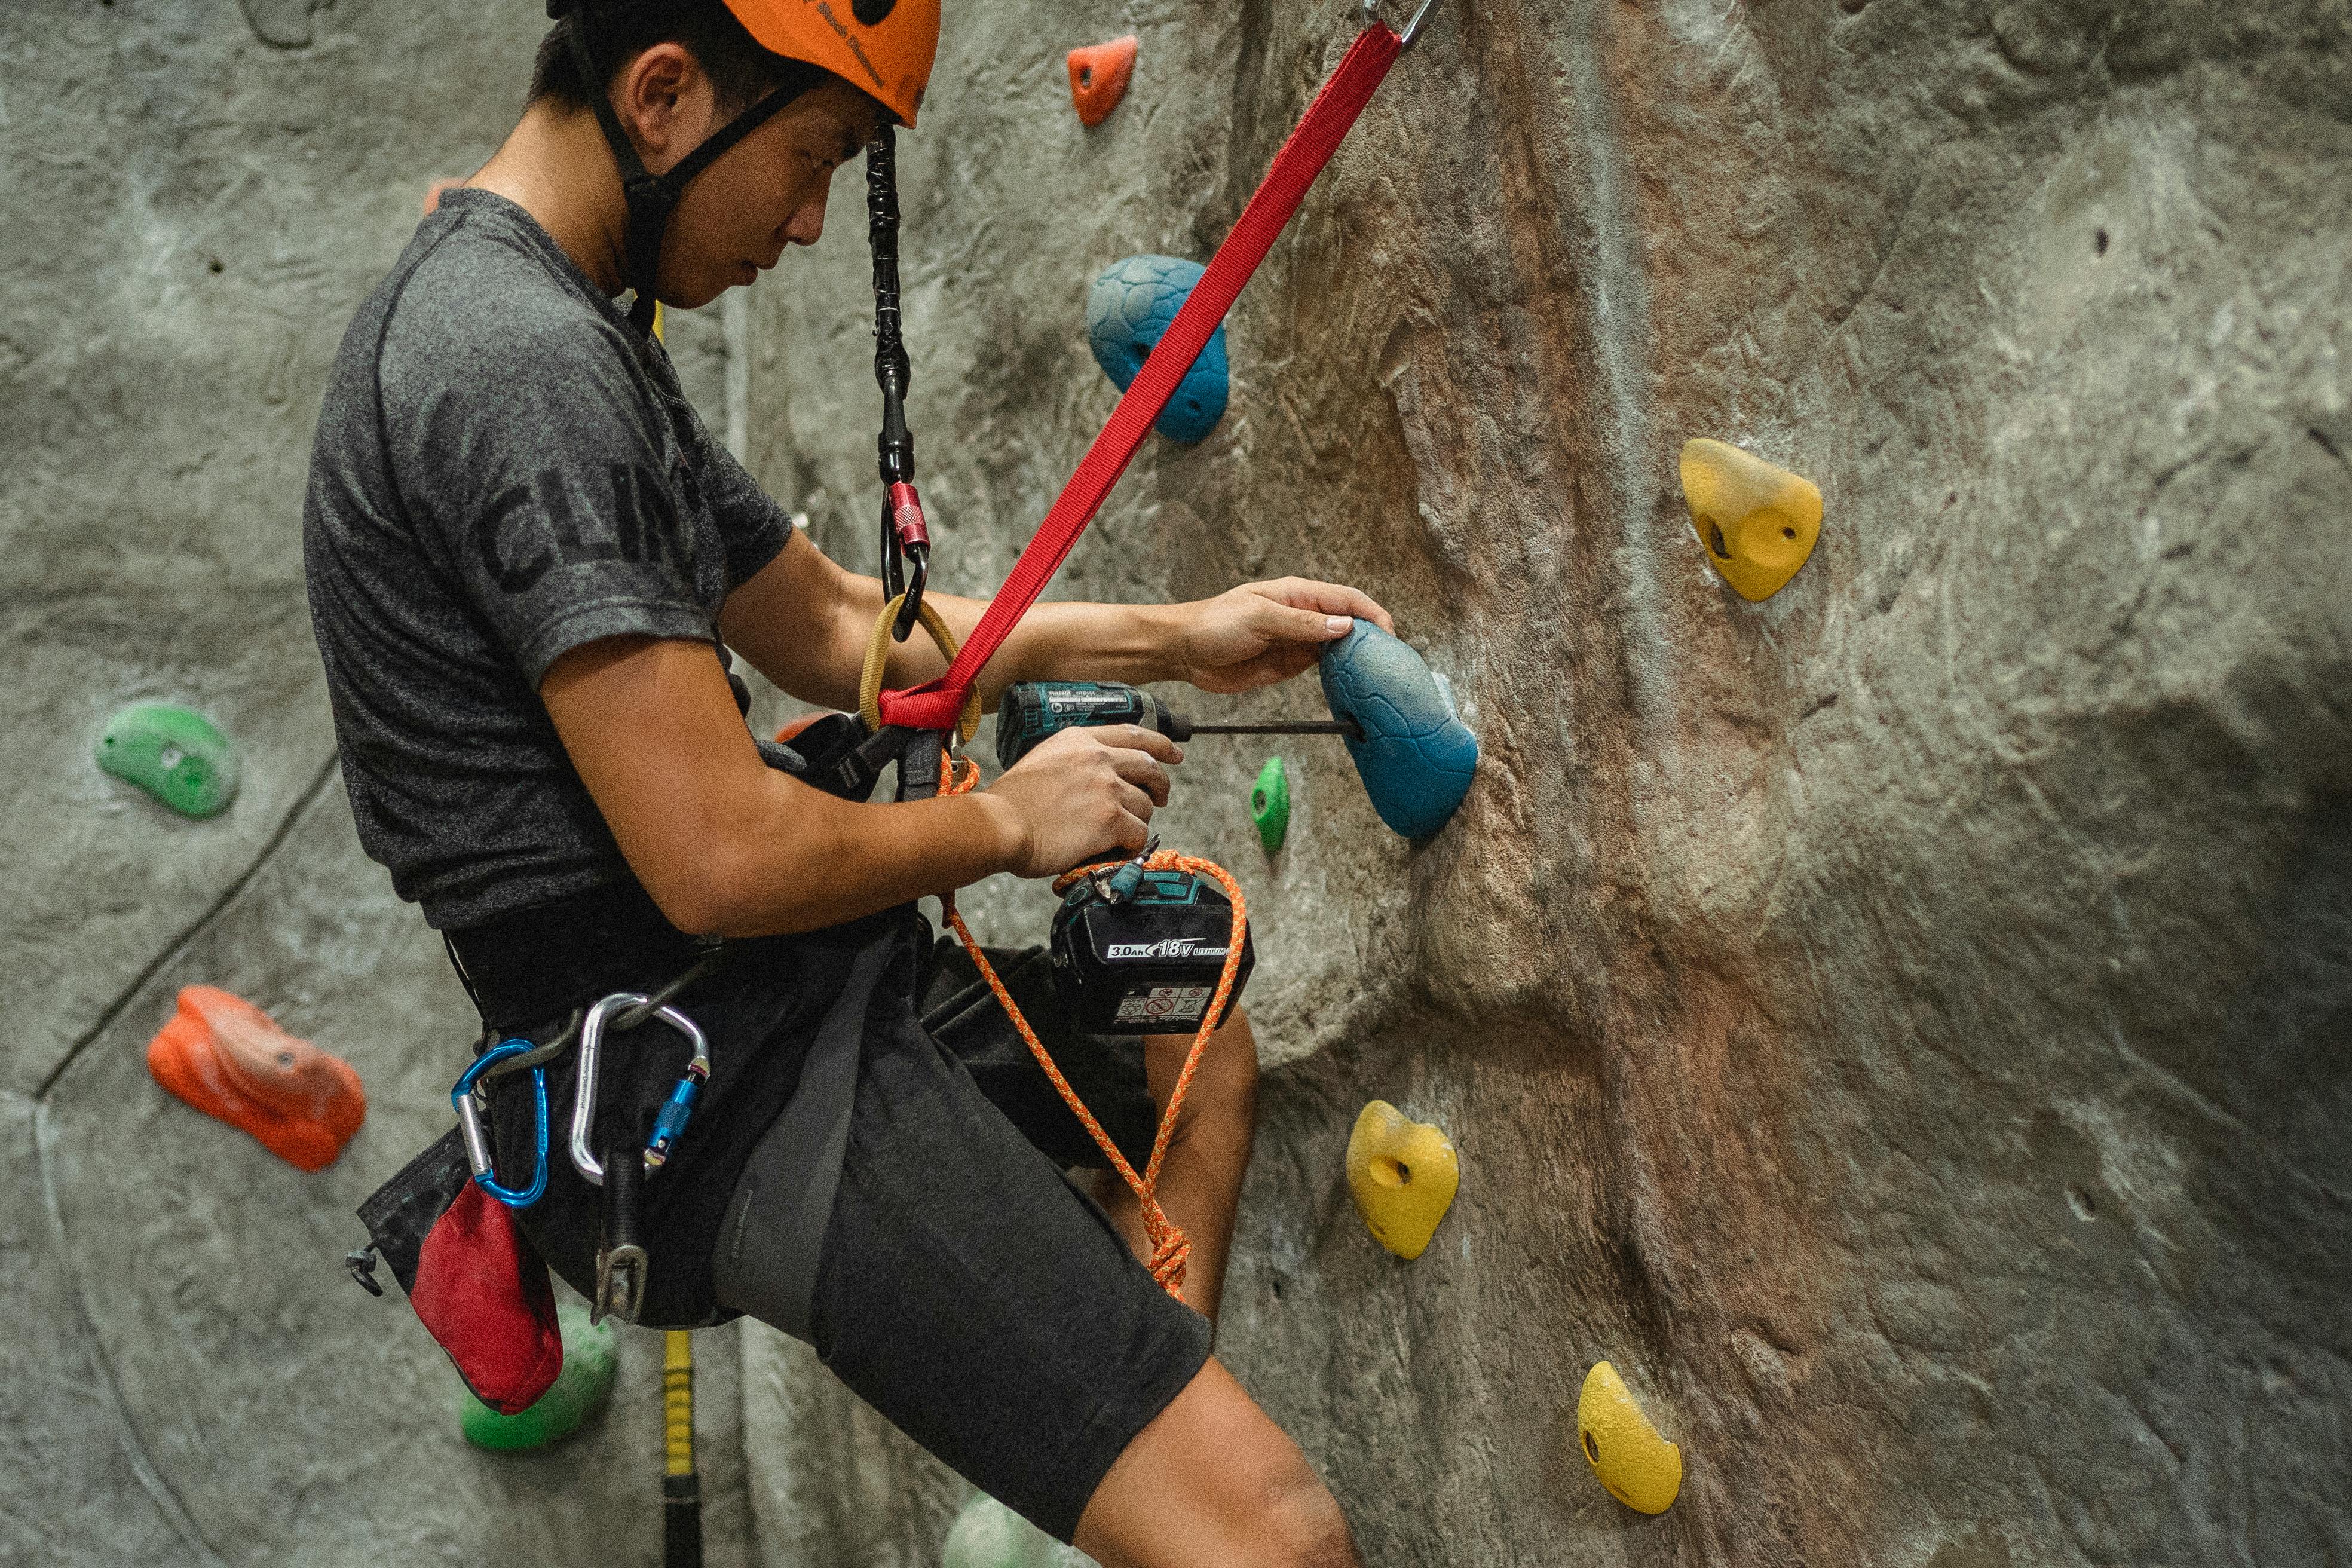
[[1757, 522], [1641, 1469], [1403, 1174]]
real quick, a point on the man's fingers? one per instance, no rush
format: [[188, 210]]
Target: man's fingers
[[1144, 772], [1137, 804], [1331, 599], [1136, 738], [1289, 623]]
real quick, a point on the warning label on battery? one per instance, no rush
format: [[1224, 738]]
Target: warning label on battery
[[1175, 1004]]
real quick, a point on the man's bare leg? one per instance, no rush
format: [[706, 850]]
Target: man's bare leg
[[1214, 1483], [1200, 1184]]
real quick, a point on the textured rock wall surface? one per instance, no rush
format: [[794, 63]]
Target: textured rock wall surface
[[197, 198], [1901, 1025]]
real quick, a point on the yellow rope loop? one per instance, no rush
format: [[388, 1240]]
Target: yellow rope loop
[[878, 657]]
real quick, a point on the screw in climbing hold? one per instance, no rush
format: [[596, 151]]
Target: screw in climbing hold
[[1639, 1467], [1758, 522], [1416, 757], [175, 753], [1403, 1175], [1129, 310], [1270, 805], [1099, 76]]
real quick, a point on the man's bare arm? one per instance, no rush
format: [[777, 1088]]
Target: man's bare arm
[[804, 623], [727, 845]]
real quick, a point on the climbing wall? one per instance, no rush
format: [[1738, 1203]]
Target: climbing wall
[[197, 198], [1900, 1024]]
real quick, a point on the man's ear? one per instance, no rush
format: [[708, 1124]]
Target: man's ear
[[664, 99]]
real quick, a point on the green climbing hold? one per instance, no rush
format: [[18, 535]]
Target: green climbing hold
[[590, 1361], [1270, 805], [175, 753], [987, 1535]]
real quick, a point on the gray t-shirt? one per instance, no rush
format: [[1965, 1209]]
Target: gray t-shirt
[[504, 470]]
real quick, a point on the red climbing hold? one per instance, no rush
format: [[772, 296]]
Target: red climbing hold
[[1099, 75], [229, 1059]]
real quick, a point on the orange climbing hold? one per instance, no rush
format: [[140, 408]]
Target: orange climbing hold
[[1099, 76], [229, 1059]]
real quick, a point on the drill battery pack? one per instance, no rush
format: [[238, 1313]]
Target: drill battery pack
[[1147, 964]]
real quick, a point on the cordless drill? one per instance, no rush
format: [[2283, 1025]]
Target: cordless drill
[[1135, 951], [1034, 711]]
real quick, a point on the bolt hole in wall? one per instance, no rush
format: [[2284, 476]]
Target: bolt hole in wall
[[2099, 242], [215, 268], [2085, 1207]]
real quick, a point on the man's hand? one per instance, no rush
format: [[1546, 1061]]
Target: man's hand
[[1261, 633], [1083, 792]]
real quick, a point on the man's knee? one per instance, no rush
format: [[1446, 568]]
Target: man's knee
[[1305, 1528]]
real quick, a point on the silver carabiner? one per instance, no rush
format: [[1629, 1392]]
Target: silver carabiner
[[1412, 34], [592, 1050]]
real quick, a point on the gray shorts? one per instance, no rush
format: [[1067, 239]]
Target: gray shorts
[[964, 1285]]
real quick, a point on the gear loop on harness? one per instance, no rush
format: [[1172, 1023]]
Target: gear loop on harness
[[540, 1055]]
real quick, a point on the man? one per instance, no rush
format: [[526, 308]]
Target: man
[[523, 551]]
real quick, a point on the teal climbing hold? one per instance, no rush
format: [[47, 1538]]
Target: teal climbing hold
[[1417, 758], [1130, 306], [591, 1359], [1270, 805], [175, 753]]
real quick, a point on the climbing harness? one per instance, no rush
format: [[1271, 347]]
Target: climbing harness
[[621, 1169], [477, 1144]]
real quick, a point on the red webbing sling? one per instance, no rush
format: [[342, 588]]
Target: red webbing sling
[[1329, 119]]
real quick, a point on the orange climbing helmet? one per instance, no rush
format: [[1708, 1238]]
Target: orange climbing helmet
[[884, 46]]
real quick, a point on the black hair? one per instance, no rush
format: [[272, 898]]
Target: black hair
[[741, 72]]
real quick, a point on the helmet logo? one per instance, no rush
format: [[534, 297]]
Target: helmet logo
[[872, 12]]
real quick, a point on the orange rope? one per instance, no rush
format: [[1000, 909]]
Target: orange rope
[[1170, 1248]]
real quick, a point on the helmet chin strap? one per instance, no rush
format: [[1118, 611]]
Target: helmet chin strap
[[651, 198]]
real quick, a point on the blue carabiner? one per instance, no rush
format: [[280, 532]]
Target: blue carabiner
[[477, 1143]]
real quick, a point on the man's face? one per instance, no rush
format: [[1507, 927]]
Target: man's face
[[767, 192]]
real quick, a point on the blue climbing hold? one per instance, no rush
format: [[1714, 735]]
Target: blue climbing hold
[[1417, 757], [1130, 306]]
